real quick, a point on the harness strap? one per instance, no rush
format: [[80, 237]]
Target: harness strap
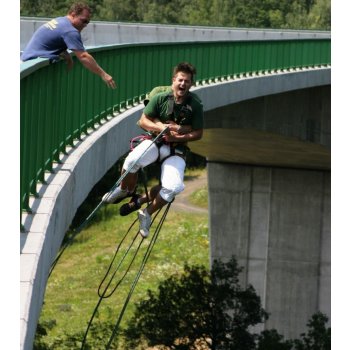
[[170, 113], [137, 139], [171, 104]]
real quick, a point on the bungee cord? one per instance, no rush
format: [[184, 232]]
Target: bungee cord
[[102, 295], [144, 261]]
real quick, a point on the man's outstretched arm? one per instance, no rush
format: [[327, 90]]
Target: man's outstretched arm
[[90, 63]]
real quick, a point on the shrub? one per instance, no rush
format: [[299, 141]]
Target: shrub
[[198, 306]]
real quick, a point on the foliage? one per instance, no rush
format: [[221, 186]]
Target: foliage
[[318, 336], [294, 14], [272, 340], [211, 307], [320, 15], [112, 10]]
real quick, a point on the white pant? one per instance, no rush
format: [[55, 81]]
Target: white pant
[[172, 172]]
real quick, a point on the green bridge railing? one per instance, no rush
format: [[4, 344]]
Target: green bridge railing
[[58, 107]]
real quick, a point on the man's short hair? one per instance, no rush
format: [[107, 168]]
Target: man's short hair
[[78, 8], [185, 67]]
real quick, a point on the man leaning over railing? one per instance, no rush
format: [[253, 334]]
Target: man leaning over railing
[[53, 39]]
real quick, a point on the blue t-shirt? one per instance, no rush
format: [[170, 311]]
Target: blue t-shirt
[[52, 38]]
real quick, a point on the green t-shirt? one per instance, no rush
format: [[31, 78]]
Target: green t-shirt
[[188, 113]]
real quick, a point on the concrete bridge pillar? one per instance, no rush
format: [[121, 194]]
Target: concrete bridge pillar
[[276, 221]]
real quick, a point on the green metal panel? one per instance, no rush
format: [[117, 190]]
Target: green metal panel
[[58, 107]]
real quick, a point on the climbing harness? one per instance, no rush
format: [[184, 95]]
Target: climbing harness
[[138, 139], [88, 219]]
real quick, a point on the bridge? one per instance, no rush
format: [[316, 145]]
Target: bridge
[[266, 97]]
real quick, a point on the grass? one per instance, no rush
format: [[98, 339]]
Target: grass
[[200, 197], [71, 293]]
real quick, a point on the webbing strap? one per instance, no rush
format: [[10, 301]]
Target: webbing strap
[[138, 139], [171, 104]]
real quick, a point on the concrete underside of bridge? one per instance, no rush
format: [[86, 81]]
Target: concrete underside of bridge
[[290, 129], [269, 199]]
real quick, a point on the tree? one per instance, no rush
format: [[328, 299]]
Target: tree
[[318, 336], [199, 306], [297, 17], [196, 12], [112, 10], [52, 8], [294, 14], [272, 340], [320, 15]]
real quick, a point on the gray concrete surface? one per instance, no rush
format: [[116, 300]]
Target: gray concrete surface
[[84, 165], [99, 33], [276, 221]]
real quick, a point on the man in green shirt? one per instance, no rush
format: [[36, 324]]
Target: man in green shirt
[[182, 113]]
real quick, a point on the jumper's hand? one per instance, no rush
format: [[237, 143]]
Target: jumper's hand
[[173, 127], [166, 130], [170, 138], [178, 129]]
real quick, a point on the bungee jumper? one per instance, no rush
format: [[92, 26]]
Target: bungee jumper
[[178, 114], [172, 117]]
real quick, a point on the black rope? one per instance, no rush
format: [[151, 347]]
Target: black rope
[[103, 294], [144, 180], [144, 261]]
